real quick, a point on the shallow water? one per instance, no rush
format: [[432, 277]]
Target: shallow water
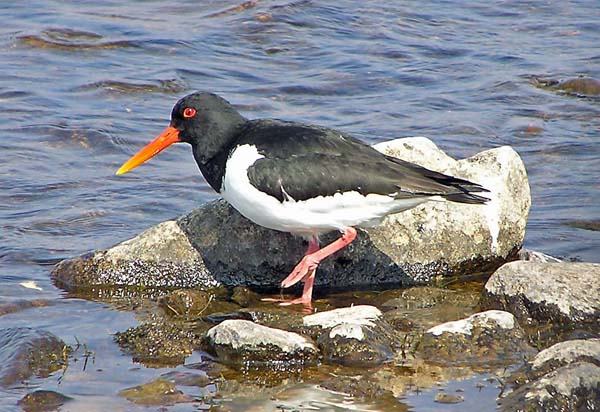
[[83, 85]]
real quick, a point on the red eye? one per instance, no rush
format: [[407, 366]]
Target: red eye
[[189, 112]]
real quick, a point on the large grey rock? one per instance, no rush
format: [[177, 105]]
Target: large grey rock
[[565, 295], [215, 245], [491, 336], [247, 343]]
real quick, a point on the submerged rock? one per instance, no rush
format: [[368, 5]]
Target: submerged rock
[[26, 352], [357, 335], [42, 400], [582, 86], [159, 342], [246, 343], [491, 336], [159, 392], [214, 245], [564, 295], [564, 377]]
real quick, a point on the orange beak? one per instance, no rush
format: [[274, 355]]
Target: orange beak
[[169, 136]]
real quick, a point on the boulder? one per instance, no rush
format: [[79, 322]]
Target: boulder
[[491, 336], [565, 295], [242, 342], [214, 245]]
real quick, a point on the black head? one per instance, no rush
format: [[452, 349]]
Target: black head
[[202, 117], [204, 120]]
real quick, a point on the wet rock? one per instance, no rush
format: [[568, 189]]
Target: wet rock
[[159, 343], [26, 352], [192, 304], [244, 296], [185, 303], [564, 353], [356, 335], [583, 86], [42, 400], [156, 393], [534, 256], [245, 342], [427, 306], [563, 295], [574, 387], [491, 336], [448, 398], [21, 304], [215, 245]]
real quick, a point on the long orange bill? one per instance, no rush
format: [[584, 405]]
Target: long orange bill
[[169, 136]]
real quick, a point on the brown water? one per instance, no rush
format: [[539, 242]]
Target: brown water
[[84, 84]]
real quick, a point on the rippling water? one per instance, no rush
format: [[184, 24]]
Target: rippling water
[[84, 84]]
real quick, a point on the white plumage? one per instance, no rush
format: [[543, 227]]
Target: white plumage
[[306, 217]]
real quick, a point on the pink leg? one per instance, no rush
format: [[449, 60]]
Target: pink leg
[[310, 261], [309, 280]]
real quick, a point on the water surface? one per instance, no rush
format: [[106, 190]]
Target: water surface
[[84, 84]]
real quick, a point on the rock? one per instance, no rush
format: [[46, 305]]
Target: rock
[[563, 295], [426, 306], [574, 387], [244, 296], [156, 393], [448, 398], [563, 377], [215, 245], [567, 352], [534, 256], [159, 343], [42, 400], [356, 335], [492, 336], [185, 303], [582, 86], [243, 342], [26, 352]]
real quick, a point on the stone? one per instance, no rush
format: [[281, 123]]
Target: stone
[[243, 342], [491, 336], [535, 256], [159, 392], [159, 343], [43, 400], [356, 335], [580, 86], [567, 352], [214, 245], [564, 295], [565, 376], [574, 387], [27, 352]]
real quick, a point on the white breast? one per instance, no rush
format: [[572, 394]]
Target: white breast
[[305, 217]]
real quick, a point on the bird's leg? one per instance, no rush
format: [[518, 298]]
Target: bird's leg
[[310, 261], [309, 280]]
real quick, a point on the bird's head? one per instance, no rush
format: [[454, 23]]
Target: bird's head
[[204, 120]]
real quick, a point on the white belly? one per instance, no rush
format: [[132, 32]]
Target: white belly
[[306, 217]]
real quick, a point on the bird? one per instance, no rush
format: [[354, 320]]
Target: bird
[[299, 178]]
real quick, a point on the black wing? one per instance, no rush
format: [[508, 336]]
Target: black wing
[[303, 161]]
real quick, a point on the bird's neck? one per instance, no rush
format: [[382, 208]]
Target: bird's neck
[[213, 154]]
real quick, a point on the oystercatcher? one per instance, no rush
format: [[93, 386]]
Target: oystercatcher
[[299, 178]]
